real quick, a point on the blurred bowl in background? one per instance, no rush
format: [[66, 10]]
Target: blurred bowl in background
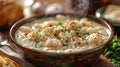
[[103, 13]]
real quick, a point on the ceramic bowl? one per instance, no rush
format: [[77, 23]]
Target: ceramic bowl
[[61, 59]]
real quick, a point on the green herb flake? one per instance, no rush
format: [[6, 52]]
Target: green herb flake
[[61, 30], [37, 37], [18, 36], [47, 34], [60, 38], [66, 45], [59, 23], [35, 45], [76, 30], [87, 33]]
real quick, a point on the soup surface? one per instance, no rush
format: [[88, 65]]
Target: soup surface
[[61, 34]]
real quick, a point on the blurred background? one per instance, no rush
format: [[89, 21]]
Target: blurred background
[[14, 10]]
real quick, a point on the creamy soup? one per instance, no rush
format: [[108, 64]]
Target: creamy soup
[[61, 34]]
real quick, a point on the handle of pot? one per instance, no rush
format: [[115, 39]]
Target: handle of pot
[[9, 51]]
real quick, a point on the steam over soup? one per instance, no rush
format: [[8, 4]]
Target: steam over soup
[[61, 34]]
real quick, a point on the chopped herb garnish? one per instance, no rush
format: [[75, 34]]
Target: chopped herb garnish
[[60, 38], [35, 45], [59, 23], [87, 33], [47, 34], [18, 36], [76, 30], [61, 30], [37, 38], [37, 34], [78, 35], [66, 45]]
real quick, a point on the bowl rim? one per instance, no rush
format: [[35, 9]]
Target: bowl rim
[[67, 53]]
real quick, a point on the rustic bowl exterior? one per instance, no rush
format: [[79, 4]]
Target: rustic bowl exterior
[[46, 59]]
